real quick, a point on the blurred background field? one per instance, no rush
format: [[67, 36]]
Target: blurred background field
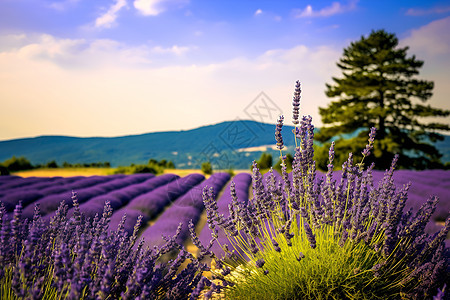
[[176, 196], [69, 172]]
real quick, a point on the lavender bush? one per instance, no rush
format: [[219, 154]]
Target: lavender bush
[[123, 191], [185, 209], [150, 204], [304, 237], [241, 184], [79, 258], [87, 188]]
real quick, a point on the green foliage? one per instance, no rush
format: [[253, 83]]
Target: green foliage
[[230, 171], [4, 170], [207, 168], [327, 272], [379, 89], [153, 166], [265, 161], [52, 165], [15, 164], [135, 169], [105, 164]]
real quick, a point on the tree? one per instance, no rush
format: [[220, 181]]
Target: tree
[[51, 165], [265, 161], [17, 164], [207, 168], [379, 89]]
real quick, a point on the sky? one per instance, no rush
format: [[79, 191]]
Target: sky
[[119, 67]]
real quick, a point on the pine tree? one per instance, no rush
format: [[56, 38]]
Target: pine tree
[[379, 89]]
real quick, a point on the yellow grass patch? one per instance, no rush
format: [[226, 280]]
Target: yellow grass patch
[[65, 172]]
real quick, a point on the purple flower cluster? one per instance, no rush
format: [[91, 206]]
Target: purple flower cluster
[[183, 210], [296, 103], [150, 204], [358, 211], [234, 196], [28, 190], [124, 191], [278, 136], [86, 188], [75, 259]]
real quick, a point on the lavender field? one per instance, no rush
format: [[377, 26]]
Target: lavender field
[[166, 200]]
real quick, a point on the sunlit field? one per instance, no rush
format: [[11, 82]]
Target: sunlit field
[[65, 172]]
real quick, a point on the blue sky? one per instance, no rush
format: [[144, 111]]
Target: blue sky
[[117, 67]]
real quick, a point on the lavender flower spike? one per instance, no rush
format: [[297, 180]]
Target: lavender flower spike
[[369, 146], [296, 103], [260, 262], [278, 136], [331, 153]]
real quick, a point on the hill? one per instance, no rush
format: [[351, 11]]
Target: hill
[[219, 143], [231, 144]]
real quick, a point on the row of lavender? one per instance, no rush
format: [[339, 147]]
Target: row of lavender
[[45, 268], [136, 195], [148, 196]]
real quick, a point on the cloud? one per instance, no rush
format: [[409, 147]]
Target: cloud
[[431, 43], [109, 17], [155, 7], [177, 50], [258, 12], [431, 39], [63, 5], [335, 8], [430, 11], [48, 85], [84, 54]]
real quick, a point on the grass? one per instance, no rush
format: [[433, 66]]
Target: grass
[[65, 172], [68, 172]]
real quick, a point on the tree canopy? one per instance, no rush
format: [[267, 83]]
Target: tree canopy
[[379, 88]]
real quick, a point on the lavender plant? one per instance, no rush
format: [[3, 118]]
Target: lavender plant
[[79, 258], [307, 237]]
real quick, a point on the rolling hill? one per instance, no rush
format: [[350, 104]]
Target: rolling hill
[[231, 144]]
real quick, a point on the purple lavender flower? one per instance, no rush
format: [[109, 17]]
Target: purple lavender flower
[[259, 263], [300, 256], [296, 103], [441, 293], [369, 146], [309, 234], [278, 136]]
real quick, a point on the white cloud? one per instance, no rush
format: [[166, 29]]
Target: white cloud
[[433, 10], [84, 54], [431, 39], [44, 96], [63, 5], [431, 43], [155, 7], [109, 17], [335, 8], [177, 50], [258, 12]]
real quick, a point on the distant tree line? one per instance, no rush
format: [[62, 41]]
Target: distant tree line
[[16, 164], [153, 166]]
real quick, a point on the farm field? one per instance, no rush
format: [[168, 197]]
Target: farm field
[[65, 172], [168, 199], [69, 172]]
